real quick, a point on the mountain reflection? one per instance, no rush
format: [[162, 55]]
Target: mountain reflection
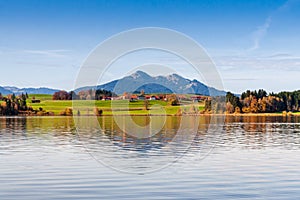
[[238, 131], [174, 130]]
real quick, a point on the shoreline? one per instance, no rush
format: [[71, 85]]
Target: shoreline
[[172, 115]]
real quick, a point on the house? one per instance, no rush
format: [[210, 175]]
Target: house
[[35, 101], [107, 99], [141, 97], [153, 97], [133, 98], [198, 98], [126, 95]]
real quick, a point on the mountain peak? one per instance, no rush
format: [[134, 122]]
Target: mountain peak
[[140, 80], [174, 76], [15, 90], [140, 74]]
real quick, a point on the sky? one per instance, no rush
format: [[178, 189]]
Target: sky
[[254, 44]]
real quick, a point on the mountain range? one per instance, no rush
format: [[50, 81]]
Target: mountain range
[[10, 90], [157, 84], [135, 83]]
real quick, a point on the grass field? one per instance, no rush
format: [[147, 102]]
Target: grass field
[[124, 107], [119, 106]]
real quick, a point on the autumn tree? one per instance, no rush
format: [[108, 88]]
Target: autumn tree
[[146, 104], [253, 105], [173, 100], [60, 95], [232, 102], [229, 107], [102, 94]]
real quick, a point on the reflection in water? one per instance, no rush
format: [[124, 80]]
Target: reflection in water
[[28, 132], [263, 131], [251, 157], [246, 131], [114, 144]]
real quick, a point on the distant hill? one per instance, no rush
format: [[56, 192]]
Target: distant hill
[[151, 88], [158, 84], [43, 90], [4, 91], [135, 82]]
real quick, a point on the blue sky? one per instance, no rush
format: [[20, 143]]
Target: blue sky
[[254, 44]]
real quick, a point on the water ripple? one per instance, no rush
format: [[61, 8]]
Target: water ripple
[[43, 158]]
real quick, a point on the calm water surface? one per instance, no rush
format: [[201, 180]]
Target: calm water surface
[[232, 158]]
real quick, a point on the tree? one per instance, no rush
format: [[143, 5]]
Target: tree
[[13, 97], [102, 94], [246, 94], [146, 104], [23, 105], [73, 96], [97, 112], [254, 105], [237, 110], [262, 105], [61, 95], [261, 94], [173, 100], [207, 105], [67, 112], [234, 102], [229, 107]]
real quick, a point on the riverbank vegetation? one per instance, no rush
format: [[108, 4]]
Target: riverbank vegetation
[[255, 102], [110, 107], [12, 105], [102, 102]]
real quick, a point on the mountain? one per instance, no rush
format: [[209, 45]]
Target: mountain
[[159, 84], [43, 90], [4, 91], [151, 88]]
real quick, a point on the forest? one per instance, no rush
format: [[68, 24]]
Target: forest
[[254, 102], [14, 105], [83, 95], [257, 101]]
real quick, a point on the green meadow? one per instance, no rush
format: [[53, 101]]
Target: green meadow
[[121, 107]]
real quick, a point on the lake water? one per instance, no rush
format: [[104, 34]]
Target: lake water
[[180, 158]]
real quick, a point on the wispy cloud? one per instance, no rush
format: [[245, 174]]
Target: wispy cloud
[[262, 30], [287, 5], [280, 55], [260, 33], [278, 61], [239, 79], [48, 53]]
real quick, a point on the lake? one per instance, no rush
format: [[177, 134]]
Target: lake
[[188, 157]]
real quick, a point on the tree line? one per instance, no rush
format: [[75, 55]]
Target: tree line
[[255, 102], [98, 94], [14, 105]]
